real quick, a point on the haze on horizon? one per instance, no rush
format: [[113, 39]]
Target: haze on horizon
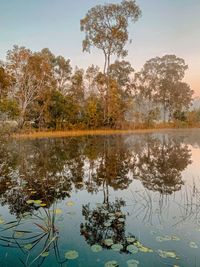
[[166, 27]]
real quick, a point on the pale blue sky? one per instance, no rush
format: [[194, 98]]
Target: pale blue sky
[[166, 27]]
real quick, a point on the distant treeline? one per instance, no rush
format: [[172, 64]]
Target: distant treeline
[[41, 90]]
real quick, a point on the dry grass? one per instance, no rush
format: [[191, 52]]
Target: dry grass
[[55, 134]]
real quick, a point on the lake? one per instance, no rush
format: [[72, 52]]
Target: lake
[[91, 201]]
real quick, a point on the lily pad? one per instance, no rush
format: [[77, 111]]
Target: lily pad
[[71, 255], [28, 246], [132, 249], [117, 247], [70, 203], [163, 238], [193, 244], [145, 249], [30, 201], [142, 248], [166, 254], [2, 221], [96, 248], [19, 234], [111, 264], [108, 242], [175, 238], [132, 263], [37, 201], [58, 211], [167, 238], [45, 254], [43, 205]]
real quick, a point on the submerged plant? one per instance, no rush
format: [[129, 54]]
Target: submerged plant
[[43, 235]]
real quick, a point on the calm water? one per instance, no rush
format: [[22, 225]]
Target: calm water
[[131, 200]]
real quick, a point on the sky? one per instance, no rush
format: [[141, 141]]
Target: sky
[[166, 27]]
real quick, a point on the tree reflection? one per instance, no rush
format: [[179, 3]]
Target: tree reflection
[[51, 169], [160, 164], [105, 222]]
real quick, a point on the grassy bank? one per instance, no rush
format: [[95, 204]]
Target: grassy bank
[[55, 134]]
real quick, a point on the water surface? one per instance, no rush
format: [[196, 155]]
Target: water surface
[[122, 200]]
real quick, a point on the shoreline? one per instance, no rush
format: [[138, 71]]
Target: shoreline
[[74, 133]]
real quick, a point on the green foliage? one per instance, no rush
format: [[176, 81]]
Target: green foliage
[[9, 109], [193, 117]]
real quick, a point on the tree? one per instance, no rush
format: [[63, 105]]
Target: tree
[[93, 112], [62, 74], [9, 109], [145, 83], [120, 96], [106, 28], [90, 76], [32, 73], [181, 99], [164, 73], [77, 93], [5, 81], [120, 71]]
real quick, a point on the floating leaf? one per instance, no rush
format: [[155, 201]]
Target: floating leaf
[[38, 202], [58, 211], [19, 234], [167, 238], [70, 203], [108, 242], [117, 247], [2, 221], [166, 254], [132, 249], [193, 244], [71, 255], [163, 238], [28, 246], [132, 263], [145, 249], [30, 201], [111, 264], [142, 248], [175, 238], [121, 220], [108, 224], [45, 254], [43, 204], [96, 248]]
